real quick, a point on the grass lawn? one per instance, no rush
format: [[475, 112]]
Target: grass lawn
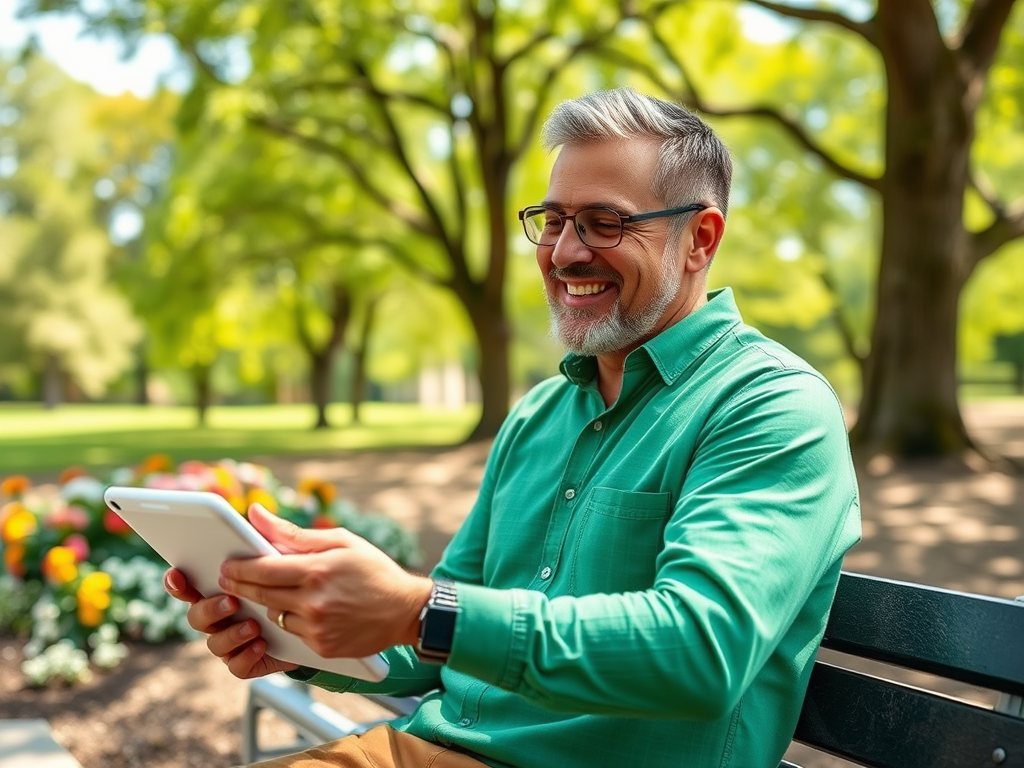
[[99, 437]]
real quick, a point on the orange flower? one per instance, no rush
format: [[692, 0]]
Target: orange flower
[[14, 560], [17, 525], [93, 598], [70, 474], [322, 522], [15, 485], [260, 496], [325, 492], [158, 462], [59, 565]]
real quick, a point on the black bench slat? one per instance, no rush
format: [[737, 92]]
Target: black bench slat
[[880, 723], [961, 636]]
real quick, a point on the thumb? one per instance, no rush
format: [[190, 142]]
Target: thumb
[[287, 538]]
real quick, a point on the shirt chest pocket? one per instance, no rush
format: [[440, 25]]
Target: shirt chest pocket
[[617, 541]]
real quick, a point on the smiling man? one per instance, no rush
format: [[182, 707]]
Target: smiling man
[[647, 572]]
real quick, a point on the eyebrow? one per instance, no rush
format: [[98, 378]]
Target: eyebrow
[[554, 206]]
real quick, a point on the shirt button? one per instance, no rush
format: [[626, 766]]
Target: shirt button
[[546, 573], [570, 494], [597, 426], [465, 722]]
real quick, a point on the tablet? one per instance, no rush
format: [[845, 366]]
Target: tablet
[[195, 531]]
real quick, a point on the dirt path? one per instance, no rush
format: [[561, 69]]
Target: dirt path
[[175, 706]]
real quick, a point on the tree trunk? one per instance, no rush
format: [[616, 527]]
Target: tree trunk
[[358, 392], [909, 401], [493, 340], [53, 385], [203, 390], [321, 366], [141, 377]]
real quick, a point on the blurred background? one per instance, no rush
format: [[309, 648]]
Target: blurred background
[[285, 232], [312, 206]]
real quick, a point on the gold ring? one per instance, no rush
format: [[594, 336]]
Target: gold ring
[[280, 620]]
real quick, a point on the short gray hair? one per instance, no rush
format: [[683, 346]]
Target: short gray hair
[[694, 166]]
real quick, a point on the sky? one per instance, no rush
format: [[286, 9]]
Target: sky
[[96, 61]]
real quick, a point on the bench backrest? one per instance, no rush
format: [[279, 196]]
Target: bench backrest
[[874, 722]]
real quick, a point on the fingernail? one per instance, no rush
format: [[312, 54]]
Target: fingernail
[[171, 582], [245, 630], [224, 606]]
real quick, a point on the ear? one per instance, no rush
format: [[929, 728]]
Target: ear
[[707, 231]]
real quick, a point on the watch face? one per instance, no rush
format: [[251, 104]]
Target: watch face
[[437, 623]]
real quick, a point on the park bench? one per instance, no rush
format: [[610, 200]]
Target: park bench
[[946, 640]]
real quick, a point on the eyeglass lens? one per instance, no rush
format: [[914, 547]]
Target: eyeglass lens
[[596, 227]]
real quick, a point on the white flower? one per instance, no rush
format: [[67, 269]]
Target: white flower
[[87, 489], [109, 655], [122, 476]]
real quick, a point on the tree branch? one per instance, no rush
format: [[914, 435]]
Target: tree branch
[[978, 38], [842, 324], [1006, 227], [792, 127], [407, 215], [866, 29]]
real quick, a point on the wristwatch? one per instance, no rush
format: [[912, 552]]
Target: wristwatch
[[437, 622]]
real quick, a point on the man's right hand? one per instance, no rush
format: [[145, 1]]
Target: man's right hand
[[237, 643]]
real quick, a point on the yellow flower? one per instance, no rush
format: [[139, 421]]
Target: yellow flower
[[60, 565], [260, 496], [17, 525], [15, 485], [93, 598]]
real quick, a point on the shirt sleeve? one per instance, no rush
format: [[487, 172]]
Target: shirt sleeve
[[767, 509]]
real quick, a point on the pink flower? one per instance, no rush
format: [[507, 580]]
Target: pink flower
[[73, 517], [78, 544]]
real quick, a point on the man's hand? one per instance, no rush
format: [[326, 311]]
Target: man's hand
[[237, 644], [343, 596]]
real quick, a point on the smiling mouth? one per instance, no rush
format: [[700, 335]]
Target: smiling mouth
[[586, 290]]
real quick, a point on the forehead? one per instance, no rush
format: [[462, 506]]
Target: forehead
[[616, 172]]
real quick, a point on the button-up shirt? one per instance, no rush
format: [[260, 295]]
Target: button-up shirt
[[645, 583]]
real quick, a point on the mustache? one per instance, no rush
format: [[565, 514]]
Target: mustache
[[583, 272]]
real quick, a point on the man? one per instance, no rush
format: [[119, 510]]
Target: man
[[647, 572]]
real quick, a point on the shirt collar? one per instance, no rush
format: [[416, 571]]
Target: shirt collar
[[674, 349]]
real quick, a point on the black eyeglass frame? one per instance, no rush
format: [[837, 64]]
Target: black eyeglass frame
[[533, 210]]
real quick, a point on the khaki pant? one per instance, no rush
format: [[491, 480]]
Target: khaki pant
[[379, 747]]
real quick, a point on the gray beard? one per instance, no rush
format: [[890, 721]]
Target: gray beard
[[581, 333]]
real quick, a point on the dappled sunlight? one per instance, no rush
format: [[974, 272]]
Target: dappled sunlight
[[956, 530]]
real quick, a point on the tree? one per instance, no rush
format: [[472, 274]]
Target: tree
[[936, 59], [427, 106], [62, 315]]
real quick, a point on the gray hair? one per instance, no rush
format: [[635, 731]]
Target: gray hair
[[694, 166]]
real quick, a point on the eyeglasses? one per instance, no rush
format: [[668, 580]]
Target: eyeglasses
[[596, 227]]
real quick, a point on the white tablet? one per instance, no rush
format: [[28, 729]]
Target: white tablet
[[195, 531]]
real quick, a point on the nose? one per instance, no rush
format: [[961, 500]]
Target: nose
[[569, 248]]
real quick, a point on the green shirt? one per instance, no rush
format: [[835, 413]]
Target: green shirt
[[645, 584]]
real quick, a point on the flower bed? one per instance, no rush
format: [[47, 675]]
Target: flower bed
[[76, 580]]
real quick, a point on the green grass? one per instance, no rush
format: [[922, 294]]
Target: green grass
[[99, 437]]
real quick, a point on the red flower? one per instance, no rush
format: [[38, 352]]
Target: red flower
[[113, 523]]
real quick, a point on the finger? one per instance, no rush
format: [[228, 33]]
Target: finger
[[228, 641], [253, 661], [210, 614], [289, 538], [293, 622], [286, 571], [177, 586], [278, 598]]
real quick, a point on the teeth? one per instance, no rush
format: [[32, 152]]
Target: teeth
[[585, 290]]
